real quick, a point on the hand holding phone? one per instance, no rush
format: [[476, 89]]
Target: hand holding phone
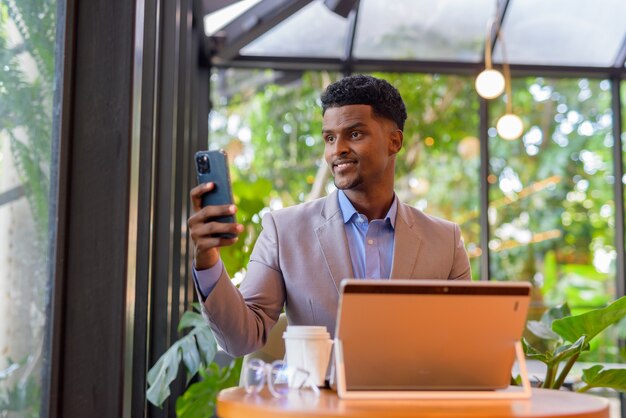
[[212, 166]]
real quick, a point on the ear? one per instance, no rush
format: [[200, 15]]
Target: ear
[[395, 141]]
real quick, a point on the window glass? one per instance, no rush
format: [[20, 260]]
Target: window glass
[[563, 32], [27, 30], [214, 22], [421, 29], [312, 31], [552, 210], [272, 131], [437, 170]]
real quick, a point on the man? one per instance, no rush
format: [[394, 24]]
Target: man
[[362, 230]]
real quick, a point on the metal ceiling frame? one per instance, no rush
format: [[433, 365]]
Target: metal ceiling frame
[[225, 45], [223, 50]]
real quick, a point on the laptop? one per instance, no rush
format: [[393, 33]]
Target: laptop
[[429, 338]]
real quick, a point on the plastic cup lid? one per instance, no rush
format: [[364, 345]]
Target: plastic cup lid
[[300, 331]]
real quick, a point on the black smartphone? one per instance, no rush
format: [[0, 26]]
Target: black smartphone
[[212, 166]]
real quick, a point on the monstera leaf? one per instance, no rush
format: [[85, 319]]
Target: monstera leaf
[[566, 336], [590, 323], [597, 376], [196, 350]]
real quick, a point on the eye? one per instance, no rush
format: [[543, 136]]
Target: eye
[[355, 134], [329, 139]]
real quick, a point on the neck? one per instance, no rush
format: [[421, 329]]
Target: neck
[[374, 206]]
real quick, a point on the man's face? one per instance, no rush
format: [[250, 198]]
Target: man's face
[[360, 148]]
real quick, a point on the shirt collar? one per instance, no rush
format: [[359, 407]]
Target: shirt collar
[[348, 210]]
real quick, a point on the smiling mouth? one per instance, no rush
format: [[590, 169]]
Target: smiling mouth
[[343, 165]]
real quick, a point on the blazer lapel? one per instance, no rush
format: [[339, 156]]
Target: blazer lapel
[[333, 242], [406, 244]]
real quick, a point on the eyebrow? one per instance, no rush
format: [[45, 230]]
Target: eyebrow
[[347, 128]]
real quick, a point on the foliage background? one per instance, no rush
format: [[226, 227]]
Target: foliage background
[[551, 210], [27, 46]]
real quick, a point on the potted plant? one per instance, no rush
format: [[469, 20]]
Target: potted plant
[[196, 350], [566, 336]]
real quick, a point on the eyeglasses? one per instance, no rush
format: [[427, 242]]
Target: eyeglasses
[[281, 378]]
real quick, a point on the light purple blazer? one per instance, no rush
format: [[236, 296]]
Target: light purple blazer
[[299, 260]]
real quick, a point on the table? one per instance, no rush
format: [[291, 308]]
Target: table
[[236, 403]]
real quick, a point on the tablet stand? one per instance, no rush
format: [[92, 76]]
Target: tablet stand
[[512, 392]]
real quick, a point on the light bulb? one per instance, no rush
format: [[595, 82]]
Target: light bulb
[[510, 127], [490, 83]]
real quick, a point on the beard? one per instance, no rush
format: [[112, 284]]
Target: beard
[[347, 183]]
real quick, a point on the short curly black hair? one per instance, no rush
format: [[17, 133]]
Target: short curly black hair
[[384, 98]]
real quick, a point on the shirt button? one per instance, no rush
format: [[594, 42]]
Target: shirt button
[[370, 241]]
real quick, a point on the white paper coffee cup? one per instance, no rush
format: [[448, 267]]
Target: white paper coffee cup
[[308, 348]]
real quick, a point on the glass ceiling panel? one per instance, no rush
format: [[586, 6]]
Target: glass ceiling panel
[[314, 31], [563, 32], [442, 30], [216, 21]]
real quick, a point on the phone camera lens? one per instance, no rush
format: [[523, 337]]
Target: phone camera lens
[[203, 164]]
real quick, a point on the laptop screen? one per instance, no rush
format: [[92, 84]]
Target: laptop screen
[[399, 335]]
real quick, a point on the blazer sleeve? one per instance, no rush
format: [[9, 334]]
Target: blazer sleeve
[[241, 319], [460, 266]]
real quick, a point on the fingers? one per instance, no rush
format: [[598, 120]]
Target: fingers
[[197, 192], [203, 215], [206, 233], [214, 234]]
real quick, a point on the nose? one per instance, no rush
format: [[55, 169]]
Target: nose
[[340, 146]]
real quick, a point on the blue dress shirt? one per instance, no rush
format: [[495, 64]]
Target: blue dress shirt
[[370, 244]]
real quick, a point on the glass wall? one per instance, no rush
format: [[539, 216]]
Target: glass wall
[[272, 130], [551, 210], [551, 202], [438, 168], [27, 30]]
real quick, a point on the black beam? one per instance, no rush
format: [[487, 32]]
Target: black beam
[[341, 7], [92, 139], [618, 185], [249, 26], [483, 126], [140, 230], [501, 9], [353, 17], [439, 67]]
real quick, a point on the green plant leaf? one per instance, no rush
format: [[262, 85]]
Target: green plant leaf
[[597, 376], [555, 312], [230, 375], [542, 330], [196, 350], [190, 355], [532, 353], [591, 323], [162, 374], [206, 344], [567, 350], [191, 319], [198, 401]]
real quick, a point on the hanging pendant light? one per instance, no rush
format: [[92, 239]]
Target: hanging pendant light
[[491, 83], [509, 126]]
